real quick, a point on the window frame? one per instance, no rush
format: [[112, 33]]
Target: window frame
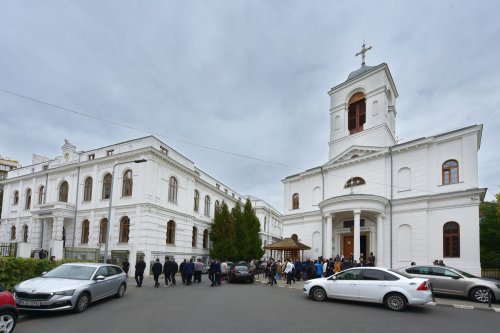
[[356, 113], [41, 194], [25, 233], [124, 235], [194, 237], [103, 226], [205, 239], [173, 185], [127, 183], [16, 198], [170, 235], [450, 172], [107, 181], [451, 240], [207, 206], [196, 206], [84, 239], [295, 201], [27, 200], [13, 232], [87, 189], [64, 192]]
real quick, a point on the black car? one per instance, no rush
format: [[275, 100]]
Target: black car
[[240, 271]]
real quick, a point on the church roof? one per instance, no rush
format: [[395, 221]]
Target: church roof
[[287, 244], [359, 71]]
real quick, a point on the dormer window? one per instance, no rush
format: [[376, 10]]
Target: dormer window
[[354, 181], [357, 113], [91, 157], [109, 152]]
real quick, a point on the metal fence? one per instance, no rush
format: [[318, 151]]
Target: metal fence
[[8, 249], [491, 273], [82, 253]]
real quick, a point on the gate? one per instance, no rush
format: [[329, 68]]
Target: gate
[[8, 249]]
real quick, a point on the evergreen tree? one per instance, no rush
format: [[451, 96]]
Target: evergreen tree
[[223, 235], [489, 233], [241, 233], [252, 225]]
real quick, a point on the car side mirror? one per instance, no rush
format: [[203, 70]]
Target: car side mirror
[[43, 273], [100, 278], [456, 277], [333, 277]]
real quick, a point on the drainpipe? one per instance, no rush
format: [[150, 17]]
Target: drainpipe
[[322, 222], [44, 201], [390, 206]]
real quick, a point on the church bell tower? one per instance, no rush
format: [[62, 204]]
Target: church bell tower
[[363, 109]]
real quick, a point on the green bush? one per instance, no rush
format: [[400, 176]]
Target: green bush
[[14, 270]]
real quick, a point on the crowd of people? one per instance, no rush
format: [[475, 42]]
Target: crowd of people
[[190, 271], [310, 269]]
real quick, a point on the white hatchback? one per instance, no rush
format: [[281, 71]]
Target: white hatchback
[[395, 290]]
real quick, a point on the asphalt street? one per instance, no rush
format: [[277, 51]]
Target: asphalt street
[[245, 307]]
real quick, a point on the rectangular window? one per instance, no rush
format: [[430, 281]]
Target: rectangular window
[[91, 157], [218, 186], [164, 150], [45, 167], [109, 152]]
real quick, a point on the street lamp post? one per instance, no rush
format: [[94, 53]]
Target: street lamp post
[[108, 226]]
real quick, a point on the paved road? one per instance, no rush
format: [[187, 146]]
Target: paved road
[[249, 308]]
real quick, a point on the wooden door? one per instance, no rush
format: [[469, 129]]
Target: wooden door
[[348, 246]]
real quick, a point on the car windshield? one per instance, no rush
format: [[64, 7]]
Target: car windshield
[[464, 273], [75, 272]]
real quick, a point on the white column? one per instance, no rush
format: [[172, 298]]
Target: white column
[[329, 232], [357, 217], [57, 228], [379, 256]]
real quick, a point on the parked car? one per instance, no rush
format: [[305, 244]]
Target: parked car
[[240, 271], [395, 290], [8, 311], [71, 287], [451, 281]]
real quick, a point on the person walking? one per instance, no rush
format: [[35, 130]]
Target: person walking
[[298, 269], [289, 271], [140, 266], [174, 268], [157, 269], [126, 266], [188, 272], [181, 270], [272, 273], [167, 271], [198, 268], [211, 272], [218, 274]]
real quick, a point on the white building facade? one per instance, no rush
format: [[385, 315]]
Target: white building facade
[[412, 201], [163, 206]]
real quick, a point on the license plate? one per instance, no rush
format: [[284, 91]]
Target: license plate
[[28, 303]]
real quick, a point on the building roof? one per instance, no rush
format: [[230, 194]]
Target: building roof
[[359, 71], [287, 244]]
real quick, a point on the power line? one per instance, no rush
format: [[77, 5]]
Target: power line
[[116, 123]]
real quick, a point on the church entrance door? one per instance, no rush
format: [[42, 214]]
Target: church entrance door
[[348, 246]]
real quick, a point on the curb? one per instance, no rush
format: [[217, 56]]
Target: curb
[[456, 306]]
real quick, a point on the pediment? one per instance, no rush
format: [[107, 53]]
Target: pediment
[[356, 153]]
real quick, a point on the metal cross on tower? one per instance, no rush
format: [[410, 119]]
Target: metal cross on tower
[[364, 49]]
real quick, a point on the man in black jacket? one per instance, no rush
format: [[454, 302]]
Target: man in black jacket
[[157, 268], [181, 269], [140, 266]]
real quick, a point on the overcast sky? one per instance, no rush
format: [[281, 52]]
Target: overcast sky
[[248, 77]]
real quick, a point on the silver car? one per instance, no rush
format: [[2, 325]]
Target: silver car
[[451, 281], [71, 287]]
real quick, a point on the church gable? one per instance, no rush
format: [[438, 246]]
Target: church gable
[[356, 153]]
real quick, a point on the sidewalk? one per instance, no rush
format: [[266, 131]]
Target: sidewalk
[[456, 302]]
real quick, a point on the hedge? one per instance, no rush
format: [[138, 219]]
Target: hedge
[[14, 270]]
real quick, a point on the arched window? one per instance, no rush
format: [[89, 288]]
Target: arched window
[[357, 113], [196, 200], [106, 186], [207, 205], [205, 239], [194, 238], [102, 230], [217, 207], [28, 199], [127, 184], [63, 192], [451, 240], [13, 232], [171, 232], [450, 172], [25, 233], [295, 201], [87, 190], [16, 198], [85, 232], [124, 229], [354, 181], [172, 190], [41, 194]]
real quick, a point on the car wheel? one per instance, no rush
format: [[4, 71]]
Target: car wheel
[[121, 291], [481, 295], [82, 303], [395, 302], [7, 321], [318, 294], [251, 280]]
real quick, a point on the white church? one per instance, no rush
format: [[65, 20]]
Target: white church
[[413, 201]]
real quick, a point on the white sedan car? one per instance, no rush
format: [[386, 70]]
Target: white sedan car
[[372, 284]]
